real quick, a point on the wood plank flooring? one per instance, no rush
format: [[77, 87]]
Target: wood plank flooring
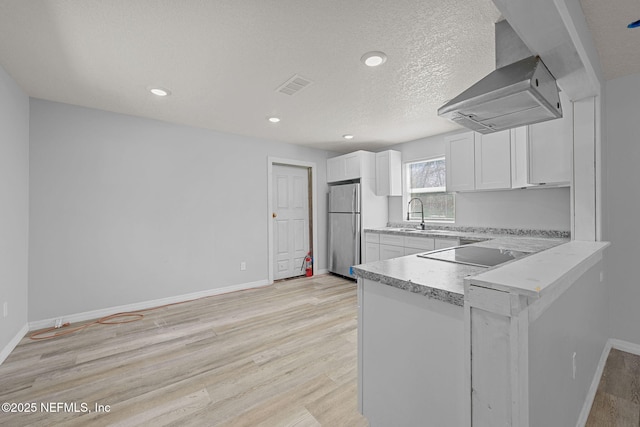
[[283, 355], [617, 400]]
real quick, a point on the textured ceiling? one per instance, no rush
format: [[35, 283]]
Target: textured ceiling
[[618, 46], [223, 61]]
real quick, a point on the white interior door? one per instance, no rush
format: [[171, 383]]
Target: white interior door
[[290, 220]]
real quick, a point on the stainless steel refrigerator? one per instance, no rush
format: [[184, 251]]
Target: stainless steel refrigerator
[[344, 228]]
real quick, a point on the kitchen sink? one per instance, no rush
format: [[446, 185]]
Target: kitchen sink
[[417, 230]]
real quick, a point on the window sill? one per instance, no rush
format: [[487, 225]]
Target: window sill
[[431, 221]]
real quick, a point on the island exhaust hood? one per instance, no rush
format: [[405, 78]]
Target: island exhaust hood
[[521, 91]]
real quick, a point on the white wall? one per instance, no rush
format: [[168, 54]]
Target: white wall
[[14, 208], [540, 209], [545, 209], [621, 203], [126, 209], [577, 322]]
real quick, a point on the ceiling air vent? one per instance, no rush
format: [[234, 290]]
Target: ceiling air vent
[[294, 85]]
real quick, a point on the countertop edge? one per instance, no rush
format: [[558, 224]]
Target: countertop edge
[[455, 232], [450, 297], [536, 276]]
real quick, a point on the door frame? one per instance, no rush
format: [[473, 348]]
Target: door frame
[[313, 212]]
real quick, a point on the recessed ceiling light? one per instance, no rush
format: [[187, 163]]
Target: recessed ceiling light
[[347, 136], [159, 91], [634, 24], [274, 119], [373, 59]]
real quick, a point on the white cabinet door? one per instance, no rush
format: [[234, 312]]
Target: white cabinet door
[[335, 169], [344, 167], [389, 173], [519, 157], [460, 160], [422, 244], [493, 160], [370, 237], [359, 164], [413, 251], [550, 148], [392, 239], [446, 243], [389, 252], [371, 252], [352, 165]]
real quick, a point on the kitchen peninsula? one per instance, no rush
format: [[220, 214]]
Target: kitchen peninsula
[[421, 319]]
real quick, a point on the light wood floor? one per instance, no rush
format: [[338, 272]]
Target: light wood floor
[[617, 401], [284, 355]]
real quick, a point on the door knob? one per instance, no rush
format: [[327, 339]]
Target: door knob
[[274, 215]]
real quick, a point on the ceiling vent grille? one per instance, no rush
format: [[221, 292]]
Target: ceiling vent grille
[[294, 85]]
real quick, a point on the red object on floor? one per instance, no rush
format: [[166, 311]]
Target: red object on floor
[[309, 269]]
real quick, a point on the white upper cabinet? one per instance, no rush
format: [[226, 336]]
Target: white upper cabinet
[[478, 162], [389, 173], [358, 164], [520, 157], [493, 160], [460, 160], [550, 148], [517, 158]]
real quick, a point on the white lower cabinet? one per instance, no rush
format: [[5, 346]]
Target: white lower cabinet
[[371, 247], [416, 245], [371, 252], [446, 243], [391, 246], [380, 246], [389, 252]]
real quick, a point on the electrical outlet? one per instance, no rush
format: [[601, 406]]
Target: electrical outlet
[[5, 309], [58, 323], [243, 266], [601, 276], [573, 365]]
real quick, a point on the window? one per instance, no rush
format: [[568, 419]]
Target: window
[[426, 180]]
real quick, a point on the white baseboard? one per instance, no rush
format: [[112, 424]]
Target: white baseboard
[[6, 351], [627, 346], [96, 314], [611, 343]]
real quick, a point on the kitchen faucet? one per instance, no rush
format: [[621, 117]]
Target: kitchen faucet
[[422, 226]]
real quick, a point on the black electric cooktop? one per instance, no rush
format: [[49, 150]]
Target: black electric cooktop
[[474, 255]]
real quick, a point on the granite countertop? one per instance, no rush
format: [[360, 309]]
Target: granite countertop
[[444, 280], [467, 232]]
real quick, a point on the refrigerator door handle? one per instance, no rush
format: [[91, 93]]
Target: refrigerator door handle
[[353, 199], [356, 238], [353, 226]]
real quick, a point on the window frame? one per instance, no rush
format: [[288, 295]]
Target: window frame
[[406, 195]]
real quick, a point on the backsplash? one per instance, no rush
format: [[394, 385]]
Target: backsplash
[[491, 230], [531, 209]]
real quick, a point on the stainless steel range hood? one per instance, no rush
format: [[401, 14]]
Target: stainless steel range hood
[[521, 91]]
